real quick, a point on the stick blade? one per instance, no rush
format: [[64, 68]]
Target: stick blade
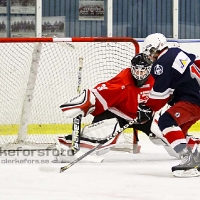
[[62, 169]]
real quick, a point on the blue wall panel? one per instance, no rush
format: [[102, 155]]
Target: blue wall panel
[[132, 18], [189, 19], [138, 18]]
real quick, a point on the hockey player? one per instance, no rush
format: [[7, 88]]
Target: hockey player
[[177, 79], [116, 98]]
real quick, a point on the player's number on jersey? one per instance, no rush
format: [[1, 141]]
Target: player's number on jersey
[[195, 72]]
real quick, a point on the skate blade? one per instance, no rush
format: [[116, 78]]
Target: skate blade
[[186, 173]]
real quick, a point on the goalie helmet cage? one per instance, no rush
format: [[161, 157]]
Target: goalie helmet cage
[[39, 74]]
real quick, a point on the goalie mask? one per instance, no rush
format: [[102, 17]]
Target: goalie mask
[[140, 69]]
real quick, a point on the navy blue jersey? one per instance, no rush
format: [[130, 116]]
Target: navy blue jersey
[[173, 79]]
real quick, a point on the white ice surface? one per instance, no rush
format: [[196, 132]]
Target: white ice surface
[[122, 176]]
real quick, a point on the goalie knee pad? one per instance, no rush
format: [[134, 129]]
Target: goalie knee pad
[[83, 105]]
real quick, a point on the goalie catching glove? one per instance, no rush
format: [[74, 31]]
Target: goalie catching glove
[[144, 113], [82, 104]]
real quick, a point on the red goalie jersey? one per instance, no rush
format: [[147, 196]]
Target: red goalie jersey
[[120, 95]]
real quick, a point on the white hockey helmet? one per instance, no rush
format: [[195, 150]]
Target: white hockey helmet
[[154, 43]]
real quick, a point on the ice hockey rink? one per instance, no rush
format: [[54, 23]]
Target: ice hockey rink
[[121, 176]]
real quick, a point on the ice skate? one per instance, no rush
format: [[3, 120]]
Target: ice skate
[[188, 166], [197, 160]]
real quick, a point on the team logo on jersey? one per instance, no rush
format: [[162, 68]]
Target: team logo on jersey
[[183, 62], [143, 96], [177, 114], [158, 69]]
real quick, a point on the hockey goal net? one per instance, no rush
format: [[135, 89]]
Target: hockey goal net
[[37, 75]]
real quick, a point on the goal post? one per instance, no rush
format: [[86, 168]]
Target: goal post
[[37, 75]]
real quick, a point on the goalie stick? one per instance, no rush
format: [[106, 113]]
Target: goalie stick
[[102, 142], [76, 127]]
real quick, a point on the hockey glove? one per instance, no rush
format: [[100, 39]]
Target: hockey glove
[[144, 113]]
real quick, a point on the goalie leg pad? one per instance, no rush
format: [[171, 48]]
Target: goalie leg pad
[[99, 131], [83, 105], [92, 134]]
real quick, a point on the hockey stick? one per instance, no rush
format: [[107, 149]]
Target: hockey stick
[[102, 142], [76, 127]]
